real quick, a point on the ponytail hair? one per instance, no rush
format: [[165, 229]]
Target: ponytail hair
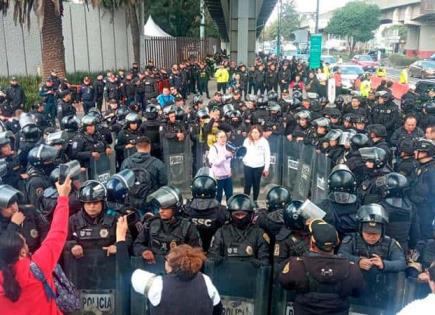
[[10, 246]]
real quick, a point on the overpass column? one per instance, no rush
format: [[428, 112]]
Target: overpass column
[[243, 30], [426, 40], [412, 39]]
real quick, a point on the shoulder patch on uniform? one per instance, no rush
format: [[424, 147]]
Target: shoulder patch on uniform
[[286, 268], [266, 238], [74, 145], [276, 250]]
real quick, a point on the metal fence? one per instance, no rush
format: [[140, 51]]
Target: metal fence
[[166, 51]]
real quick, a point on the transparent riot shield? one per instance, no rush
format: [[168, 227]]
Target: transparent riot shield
[[321, 169], [200, 154], [292, 152], [275, 169], [383, 293], [302, 187], [244, 288], [102, 290], [101, 169], [178, 160], [237, 164]]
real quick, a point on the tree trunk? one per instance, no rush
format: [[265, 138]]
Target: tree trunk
[[53, 50], [135, 30]]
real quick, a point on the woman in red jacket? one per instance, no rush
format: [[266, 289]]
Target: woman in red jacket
[[20, 292]]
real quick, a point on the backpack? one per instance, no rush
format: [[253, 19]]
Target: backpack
[[143, 185], [67, 297]]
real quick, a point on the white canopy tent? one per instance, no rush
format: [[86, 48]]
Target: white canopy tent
[[151, 29]]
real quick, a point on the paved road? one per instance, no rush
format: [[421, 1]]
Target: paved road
[[394, 73]]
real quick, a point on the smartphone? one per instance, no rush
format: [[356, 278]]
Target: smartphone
[[63, 169]]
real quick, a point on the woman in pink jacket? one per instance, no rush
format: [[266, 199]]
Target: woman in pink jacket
[[20, 292]]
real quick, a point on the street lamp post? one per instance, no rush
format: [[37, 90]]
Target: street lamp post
[[278, 41], [316, 30]]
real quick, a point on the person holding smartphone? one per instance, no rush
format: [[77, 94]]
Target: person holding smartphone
[[256, 161]]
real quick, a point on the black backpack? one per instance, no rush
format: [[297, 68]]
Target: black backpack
[[143, 185]]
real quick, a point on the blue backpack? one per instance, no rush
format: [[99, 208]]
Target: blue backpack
[[67, 297]]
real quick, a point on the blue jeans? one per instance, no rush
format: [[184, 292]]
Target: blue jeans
[[224, 185]]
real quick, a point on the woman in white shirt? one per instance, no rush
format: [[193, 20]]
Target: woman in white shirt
[[256, 161]]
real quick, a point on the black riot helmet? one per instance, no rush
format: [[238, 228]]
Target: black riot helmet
[[3, 169], [166, 197], [425, 145], [92, 191], [429, 107], [297, 213], [132, 118], [55, 138], [122, 112], [392, 184], [240, 202], [359, 141], [89, 120], [226, 109], [151, 112], [93, 112], [31, 133], [203, 113], [387, 96], [272, 96], [342, 185], [372, 218], [277, 197], [291, 215], [204, 186], [305, 114], [374, 154], [70, 123], [8, 195], [27, 119], [274, 107], [73, 171], [119, 185], [262, 101], [377, 130], [42, 155]]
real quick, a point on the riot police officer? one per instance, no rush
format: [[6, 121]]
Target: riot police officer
[[27, 137], [204, 210], [15, 173], [240, 238], [69, 125], [398, 207], [371, 249], [173, 130], [385, 112], [64, 105], [423, 188], [126, 139], [166, 229], [151, 129], [94, 226], [41, 163], [87, 94], [322, 280], [375, 160], [300, 132], [23, 219], [353, 158], [377, 134], [342, 203], [271, 219], [87, 145]]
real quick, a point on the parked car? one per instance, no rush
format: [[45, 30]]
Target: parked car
[[422, 69], [349, 73], [366, 62]]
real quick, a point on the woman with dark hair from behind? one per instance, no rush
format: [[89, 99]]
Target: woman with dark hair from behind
[[183, 290], [20, 292]]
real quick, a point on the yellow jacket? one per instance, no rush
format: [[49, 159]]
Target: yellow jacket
[[364, 88], [381, 72], [403, 78], [222, 75]]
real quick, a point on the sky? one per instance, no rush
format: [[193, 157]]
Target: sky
[[310, 6]]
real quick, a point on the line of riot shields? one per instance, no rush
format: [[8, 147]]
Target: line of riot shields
[[245, 288]]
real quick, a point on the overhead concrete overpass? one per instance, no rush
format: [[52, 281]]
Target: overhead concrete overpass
[[240, 22], [419, 18]]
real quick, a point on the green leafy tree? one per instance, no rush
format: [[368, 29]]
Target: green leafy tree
[[356, 21], [290, 21]]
